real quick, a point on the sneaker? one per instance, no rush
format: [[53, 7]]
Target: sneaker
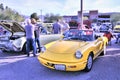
[[34, 55], [28, 55], [39, 50]]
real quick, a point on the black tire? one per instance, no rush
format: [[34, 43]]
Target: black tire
[[4, 51], [24, 48], [89, 63]]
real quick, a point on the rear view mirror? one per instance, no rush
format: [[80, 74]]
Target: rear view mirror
[[97, 36]]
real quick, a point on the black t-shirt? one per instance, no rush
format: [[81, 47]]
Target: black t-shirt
[[37, 31]]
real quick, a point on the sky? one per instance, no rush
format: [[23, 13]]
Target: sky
[[61, 7]]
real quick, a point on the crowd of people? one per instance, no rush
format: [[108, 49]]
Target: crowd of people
[[59, 27], [32, 35], [33, 31]]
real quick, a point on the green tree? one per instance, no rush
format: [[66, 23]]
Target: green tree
[[1, 7], [9, 14], [50, 18], [115, 18]]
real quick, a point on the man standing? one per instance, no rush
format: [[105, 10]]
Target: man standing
[[37, 36], [30, 37], [56, 27], [64, 27], [109, 35], [117, 38]]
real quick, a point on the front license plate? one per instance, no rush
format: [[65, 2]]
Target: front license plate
[[59, 67]]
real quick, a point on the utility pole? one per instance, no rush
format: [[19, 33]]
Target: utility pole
[[81, 7], [41, 15]]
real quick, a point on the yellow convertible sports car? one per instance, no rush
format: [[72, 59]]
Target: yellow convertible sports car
[[75, 51]]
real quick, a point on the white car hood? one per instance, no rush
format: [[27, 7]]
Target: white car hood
[[12, 27]]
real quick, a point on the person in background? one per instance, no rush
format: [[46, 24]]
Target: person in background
[[117, 38], [37, 36], [109, 35], [56, 27], [30, 37], [64, 26]]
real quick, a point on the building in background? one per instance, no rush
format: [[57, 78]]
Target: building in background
[[93, 16]]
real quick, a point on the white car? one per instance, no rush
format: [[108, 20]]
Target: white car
[[13, 38]]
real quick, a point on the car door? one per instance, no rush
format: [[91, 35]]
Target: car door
[[98, 46]]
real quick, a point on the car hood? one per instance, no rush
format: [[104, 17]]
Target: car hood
[[12, 26], [66, 46]]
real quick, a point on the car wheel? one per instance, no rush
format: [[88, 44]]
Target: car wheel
[[89, 63], [4, 51], [24, 48]]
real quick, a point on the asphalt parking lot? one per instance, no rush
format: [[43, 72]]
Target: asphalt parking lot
[[16, 66]]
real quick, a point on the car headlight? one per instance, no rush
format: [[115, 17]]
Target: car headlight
[[78, 54], [43, 49]]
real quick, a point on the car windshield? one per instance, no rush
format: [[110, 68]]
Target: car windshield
[[84, 35]]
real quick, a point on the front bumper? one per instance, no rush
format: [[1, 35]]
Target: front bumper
[[63, 66]]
